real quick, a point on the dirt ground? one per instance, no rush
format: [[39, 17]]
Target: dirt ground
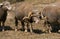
[[22, 35], [37, 33]]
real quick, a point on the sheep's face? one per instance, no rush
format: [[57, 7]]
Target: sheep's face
[[7, 5]]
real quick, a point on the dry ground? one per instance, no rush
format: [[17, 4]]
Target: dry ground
[[9, 32]]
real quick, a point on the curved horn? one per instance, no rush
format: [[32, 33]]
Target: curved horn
[[29, 15], [25, 18]]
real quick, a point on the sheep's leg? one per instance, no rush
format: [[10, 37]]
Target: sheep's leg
[[48, 27], [16, 24], [22, 25], [0, 23], [3, 24], [31, 28], [25, 27]]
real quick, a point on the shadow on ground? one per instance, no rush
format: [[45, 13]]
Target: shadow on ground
[[5, 28], [37, 31]]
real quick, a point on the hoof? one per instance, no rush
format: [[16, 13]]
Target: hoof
[[59, 31], [25, 30], [31, 31], [15, 29], [3, 30], [49, 32]]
